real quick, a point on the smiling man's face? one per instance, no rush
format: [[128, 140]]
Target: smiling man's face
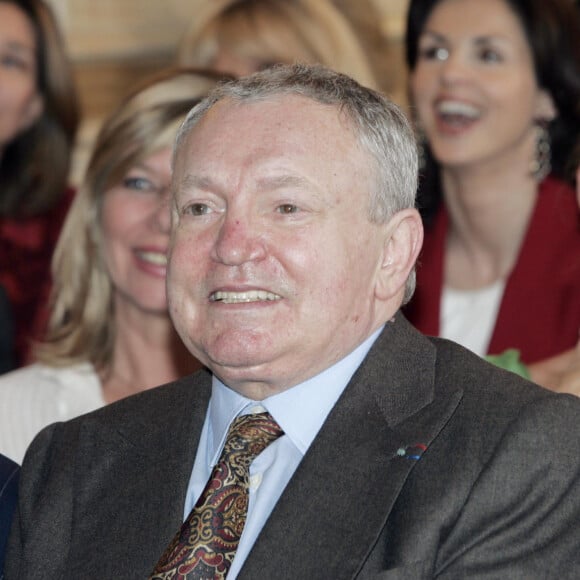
[[273, 261]]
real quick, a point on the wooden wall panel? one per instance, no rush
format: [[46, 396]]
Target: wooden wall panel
[[130, 28], [116, 43], [120, 28]]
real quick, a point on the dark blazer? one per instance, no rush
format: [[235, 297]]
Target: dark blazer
[[432, 463], [6, 333], [8, 493]]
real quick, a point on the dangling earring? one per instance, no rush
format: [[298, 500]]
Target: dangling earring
[[541, 166]]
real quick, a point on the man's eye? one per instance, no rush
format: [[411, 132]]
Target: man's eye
[[197, 209], [287, 208]]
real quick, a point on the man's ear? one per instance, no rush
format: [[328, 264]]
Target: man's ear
[[402, 243]]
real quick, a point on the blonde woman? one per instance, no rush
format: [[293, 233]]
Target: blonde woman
[[242, 37], [109, 335]]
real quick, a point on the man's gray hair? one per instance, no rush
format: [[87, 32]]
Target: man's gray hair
[[380, 126]]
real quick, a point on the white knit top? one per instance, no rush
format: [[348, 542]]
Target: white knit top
[[36, 396]]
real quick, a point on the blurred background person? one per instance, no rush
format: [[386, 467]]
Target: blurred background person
[[240, 37], [39, 115], [562, 372], [109, 334], [495, 87]]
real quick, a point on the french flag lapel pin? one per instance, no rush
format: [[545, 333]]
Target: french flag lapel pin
[[412, 452]]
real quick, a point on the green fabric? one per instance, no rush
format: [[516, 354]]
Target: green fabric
[[509, 360]]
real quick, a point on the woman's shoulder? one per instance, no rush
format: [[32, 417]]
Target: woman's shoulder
[[25, 376], [49, 380], [555, 190], [35, 396], [555, 219]]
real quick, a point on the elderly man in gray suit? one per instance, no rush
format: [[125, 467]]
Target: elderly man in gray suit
[[328, 439]]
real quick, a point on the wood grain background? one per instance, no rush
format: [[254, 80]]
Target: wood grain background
[[115, 43]]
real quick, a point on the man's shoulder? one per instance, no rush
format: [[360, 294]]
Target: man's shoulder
[[437, 366], [457, 364], [146, 412], [494, 394], [156, 401], [140, 422]]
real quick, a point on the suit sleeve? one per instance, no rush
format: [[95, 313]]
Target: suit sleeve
[[522, 518]]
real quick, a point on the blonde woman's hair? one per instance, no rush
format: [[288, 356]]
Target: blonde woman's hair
[[276, 31], [82, 322]]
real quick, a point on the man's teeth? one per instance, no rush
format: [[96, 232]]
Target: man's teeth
[[237, 297], [156, 258], [457, 108]]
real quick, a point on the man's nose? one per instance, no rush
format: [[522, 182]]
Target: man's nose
[[239, 240]]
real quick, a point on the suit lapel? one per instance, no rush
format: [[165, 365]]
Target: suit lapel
[[335, 506], [150, 489]]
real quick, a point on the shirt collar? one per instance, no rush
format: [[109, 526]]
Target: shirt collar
[[300, 411]]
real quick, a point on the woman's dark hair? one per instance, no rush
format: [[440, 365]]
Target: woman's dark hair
[[35, 165], [552, 28]]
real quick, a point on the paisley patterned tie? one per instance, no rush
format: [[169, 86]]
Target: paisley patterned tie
[[206, 544]]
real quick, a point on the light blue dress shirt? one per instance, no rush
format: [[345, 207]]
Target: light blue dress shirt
[[300, 411]]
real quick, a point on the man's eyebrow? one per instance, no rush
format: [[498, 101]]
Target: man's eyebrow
[[282, 181], [205, 183], [190, 181]]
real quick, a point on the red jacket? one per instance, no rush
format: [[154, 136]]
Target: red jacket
[[26, 247], [540, 308]]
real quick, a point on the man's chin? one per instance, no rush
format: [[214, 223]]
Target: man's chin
[[251, 381]]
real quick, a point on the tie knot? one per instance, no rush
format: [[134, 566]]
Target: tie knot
[[207, 542], [248, 436]]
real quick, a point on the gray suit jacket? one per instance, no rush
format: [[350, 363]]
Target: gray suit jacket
[[432, 464]]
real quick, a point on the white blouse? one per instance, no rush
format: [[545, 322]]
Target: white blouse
[[468, 316], [37, 395]]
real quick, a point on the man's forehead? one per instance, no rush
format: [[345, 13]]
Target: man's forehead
[[269, 135], [282, 106], [280, 121]]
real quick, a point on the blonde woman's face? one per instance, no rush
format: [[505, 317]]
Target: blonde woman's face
[[135, 222], [20, 102]]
